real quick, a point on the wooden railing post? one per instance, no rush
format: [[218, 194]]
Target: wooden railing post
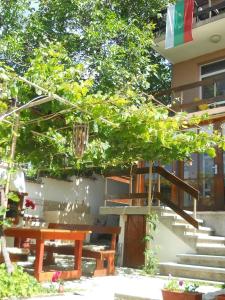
[[106, 190], [159, 187], [131, 187], [195, 208], [150, 187]]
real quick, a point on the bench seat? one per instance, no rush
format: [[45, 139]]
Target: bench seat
[[16, 254], [103, 254]]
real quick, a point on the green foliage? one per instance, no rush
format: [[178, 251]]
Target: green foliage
[[152, 220], [151, 259], [124, 127], [13, 196], [18, 284], [175, 285], [172, 285], [111, 38], [151, 262]]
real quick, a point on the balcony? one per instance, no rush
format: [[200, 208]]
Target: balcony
[[198, 98], [208, 33]]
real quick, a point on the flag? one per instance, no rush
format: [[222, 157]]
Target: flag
[[179, 23]]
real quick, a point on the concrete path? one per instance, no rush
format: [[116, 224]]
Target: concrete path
[[128, 284]]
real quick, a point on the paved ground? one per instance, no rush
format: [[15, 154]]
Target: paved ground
[[127, 284]]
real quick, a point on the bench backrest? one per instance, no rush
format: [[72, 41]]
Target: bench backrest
[[109, 230]]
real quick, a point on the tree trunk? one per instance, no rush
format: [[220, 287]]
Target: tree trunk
[[5, 253]]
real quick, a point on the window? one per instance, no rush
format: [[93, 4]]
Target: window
[[217, 86]]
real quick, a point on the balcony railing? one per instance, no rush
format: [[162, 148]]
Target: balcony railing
[[190, 98], [203, 10]]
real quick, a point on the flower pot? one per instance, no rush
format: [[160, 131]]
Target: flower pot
[[220, 297], [169, 295]]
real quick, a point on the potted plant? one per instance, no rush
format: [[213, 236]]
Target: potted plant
[[179, 290]]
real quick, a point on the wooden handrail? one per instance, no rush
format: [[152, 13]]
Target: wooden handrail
[[209, 102], [178, 182], [128, 196], [168, 176], [164, 173], [189, 86], [178, 210]]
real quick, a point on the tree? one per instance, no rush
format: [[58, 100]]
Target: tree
[[124, 127], [112, 39]]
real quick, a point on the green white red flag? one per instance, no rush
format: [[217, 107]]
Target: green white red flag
[[179, 23]]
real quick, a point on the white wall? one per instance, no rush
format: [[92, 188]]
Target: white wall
[[87, 191], [168, 241], [215, 220]]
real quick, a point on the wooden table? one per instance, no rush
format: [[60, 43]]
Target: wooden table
[[41, 235]]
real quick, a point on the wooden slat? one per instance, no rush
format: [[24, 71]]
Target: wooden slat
[[65, 275], [117, 173], [212, 113], [178, 182], [121, 201], [190, 86], [178, 210], [84, 227], [210, 101], [120, 179], [128, 196]]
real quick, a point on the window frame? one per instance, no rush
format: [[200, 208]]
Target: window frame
[[211, 74]]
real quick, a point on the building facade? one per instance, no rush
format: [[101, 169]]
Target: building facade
[[198, 86]]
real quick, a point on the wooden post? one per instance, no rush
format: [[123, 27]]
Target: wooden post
[[131, 185], [150, 187], [4, 196], [181, 99], [106, 189], [195, 208], [159, 187], [148, 245], [4, 250]]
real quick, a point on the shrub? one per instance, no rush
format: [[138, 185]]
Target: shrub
[[19, 284]]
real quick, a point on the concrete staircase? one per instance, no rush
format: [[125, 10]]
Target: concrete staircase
[[208, 261]]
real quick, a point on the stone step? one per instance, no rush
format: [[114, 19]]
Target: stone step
[[202, 260], [189, 228], [205, 239], [192, 271], [210, 249], [177, 218]]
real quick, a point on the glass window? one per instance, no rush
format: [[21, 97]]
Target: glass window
[[216, 67], [216, 87], [220, 87]]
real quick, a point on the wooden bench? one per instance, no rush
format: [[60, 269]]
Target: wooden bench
[[104, 255], [16, 254]]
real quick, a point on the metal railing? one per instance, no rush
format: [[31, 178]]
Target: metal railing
[[203, 10]]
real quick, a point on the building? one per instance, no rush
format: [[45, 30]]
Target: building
[[198, 87]]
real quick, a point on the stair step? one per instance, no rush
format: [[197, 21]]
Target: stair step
[[178, 218], [190, 228], [192, 271], [203, 238], [202, 260], [210, 249]]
